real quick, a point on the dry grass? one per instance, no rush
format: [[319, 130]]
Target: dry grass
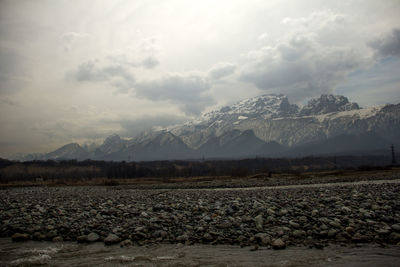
[[257, 179]]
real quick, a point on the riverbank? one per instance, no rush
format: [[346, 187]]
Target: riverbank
[[339, 214]]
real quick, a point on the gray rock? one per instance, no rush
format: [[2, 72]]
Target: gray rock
[[225, 225], [396, 227], [51, 234], [38, 236], [394, 237], [18, 237], [346, 209], [266, 241], [350, 230], [207, 218], [207, 237], [182, 238], [383, 231], [58, 239], [278, 244], [303, 219], [332, 233], [111, 239], [314, 212], [93, 237], [294, 224], [82, 238], [283, 212], [335, 224], [299, 233], [259, 222], [270, 212], [126, 243]]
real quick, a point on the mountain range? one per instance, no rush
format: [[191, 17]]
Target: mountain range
[[265, 126]]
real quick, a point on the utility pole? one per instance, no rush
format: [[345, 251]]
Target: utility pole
[[393, 155]]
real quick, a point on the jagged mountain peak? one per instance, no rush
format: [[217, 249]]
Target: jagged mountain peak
[[113, 139], [111, 144], [267, 106], [166, 137], [67, 151], [326, 104], [70, 146]]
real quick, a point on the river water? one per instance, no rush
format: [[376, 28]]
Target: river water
[[72, 254]]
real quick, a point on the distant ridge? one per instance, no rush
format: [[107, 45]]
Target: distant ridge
[[266, 126]]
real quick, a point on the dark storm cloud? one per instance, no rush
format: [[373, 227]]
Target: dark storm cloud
[[89, 71], [188, 91], [388, 45], [118, 76], [300, 68]]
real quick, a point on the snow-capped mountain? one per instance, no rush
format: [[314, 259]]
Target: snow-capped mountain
[[327, 104], [285, 123], [69, 151], [111, 145], [267, 125]]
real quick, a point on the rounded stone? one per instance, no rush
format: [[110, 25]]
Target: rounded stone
[[111, 239], [93, 237], [278, 244], [18, 237]]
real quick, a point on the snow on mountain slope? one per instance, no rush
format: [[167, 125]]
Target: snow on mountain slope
[[69, 151], [266, 106], [273, 118], [112, 144]]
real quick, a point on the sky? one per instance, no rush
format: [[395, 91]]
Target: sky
[[80, 70]]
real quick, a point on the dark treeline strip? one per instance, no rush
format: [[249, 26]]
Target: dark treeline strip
[[88, 169]]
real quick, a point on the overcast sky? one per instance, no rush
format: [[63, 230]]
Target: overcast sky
[[78, 71]]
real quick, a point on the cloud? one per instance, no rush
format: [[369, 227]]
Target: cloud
[[189, 91], [304, 63], [13, 71], [150, 62], [316, 20], [300, 68], [116, 75], [387, 45], [134, 60], [133, 127], [141, 55], [221, 70], [117, 67]]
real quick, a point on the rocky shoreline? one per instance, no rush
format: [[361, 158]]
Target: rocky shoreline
[[273, 218]]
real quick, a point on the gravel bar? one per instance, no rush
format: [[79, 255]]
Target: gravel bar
[[312, 216]]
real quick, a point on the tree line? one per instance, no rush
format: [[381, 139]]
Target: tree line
[[89, 169]]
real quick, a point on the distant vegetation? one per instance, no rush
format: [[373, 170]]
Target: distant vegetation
[[89, 169]]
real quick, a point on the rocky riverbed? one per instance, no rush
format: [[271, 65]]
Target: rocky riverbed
[[265, 217]]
